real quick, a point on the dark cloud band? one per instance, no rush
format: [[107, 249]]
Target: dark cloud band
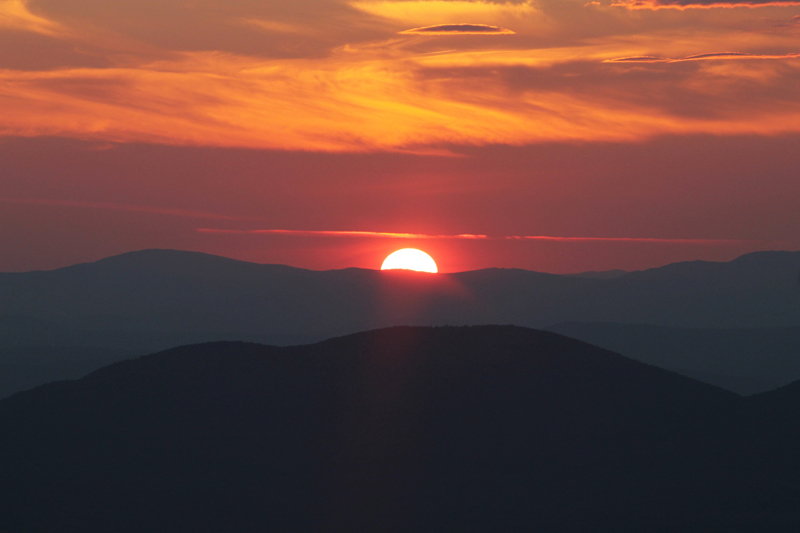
[[699, 57], [701, 4], [459, 29]]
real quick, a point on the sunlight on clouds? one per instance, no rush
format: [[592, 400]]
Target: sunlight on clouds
[[213, 99], [615, 75], [14, 14], [432, 12]]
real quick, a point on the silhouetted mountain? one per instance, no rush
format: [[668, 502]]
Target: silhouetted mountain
[[745, 360], [36, 351], [405, 429], [603, 274], [26, 332], [25, 368]]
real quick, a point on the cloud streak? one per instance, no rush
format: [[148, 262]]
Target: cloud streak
[[359, 234], [646, 240], [700, 57], [15, 15], [388, 235], [110, 206]]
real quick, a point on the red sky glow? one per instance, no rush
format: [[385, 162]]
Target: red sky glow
[[551, 135]]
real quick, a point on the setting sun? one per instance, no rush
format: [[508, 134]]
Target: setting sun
[[410, 259]]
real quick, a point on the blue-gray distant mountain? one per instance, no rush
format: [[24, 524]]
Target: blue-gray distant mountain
[[172, 291], [744, 360], [406, 429]]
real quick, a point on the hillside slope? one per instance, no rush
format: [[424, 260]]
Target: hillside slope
[[743, 360]]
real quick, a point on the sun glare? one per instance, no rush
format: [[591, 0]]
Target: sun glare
[[410, 259]]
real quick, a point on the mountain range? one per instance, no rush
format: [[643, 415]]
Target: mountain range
[[167, 290], [729, 323]]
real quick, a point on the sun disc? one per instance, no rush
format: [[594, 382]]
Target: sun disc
[[410, 259]]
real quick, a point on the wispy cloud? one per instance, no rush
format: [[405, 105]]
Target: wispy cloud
[[373, 104], [633, 240], [561, 78], [388, 235], [639, 59], [124, 207], [279, 27], [459, 29]]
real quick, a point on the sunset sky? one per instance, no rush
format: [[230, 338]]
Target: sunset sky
[[551, 135]]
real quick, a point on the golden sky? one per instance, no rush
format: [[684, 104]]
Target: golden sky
[[361, 75]]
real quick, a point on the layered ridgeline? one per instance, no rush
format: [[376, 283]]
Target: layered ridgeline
[[136, 303], [406, 429]]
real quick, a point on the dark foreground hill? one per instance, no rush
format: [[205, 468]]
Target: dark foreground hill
[[25, 368], [743, 360], [404, 429], [36, 351]]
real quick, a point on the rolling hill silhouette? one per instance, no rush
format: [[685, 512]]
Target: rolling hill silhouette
[[35, 351], [493, 428]]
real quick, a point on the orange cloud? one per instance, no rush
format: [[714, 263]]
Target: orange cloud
[[373, 103], [381, 92]]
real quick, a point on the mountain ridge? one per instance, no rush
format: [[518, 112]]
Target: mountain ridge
[[153, 252], [759, 290], [147, 301]]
